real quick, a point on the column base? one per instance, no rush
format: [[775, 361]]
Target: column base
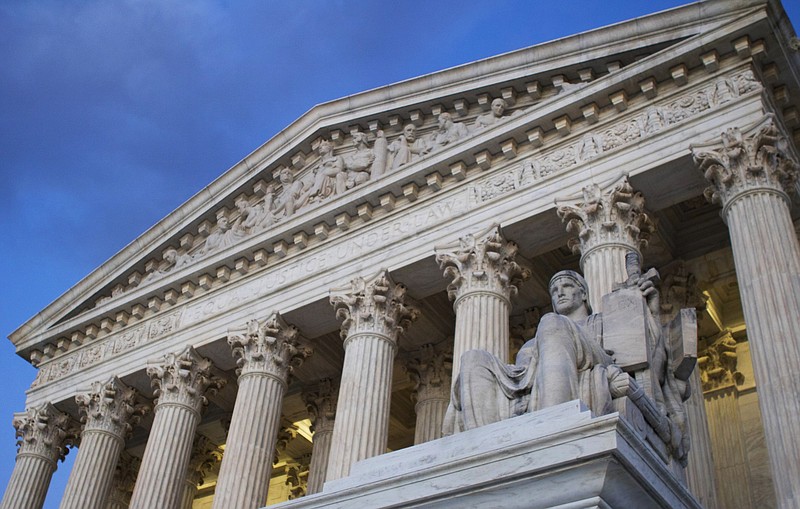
[[559, 456]]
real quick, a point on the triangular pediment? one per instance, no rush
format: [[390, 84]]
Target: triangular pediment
[[286, 196]]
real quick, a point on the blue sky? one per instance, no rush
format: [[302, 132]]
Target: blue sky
[[113, 113]]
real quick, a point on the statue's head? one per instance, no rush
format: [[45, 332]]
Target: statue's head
[[499, 106], [569, 292]]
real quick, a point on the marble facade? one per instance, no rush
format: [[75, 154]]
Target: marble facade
[[273, 338]]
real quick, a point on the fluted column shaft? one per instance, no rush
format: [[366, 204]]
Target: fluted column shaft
[[320, 455], [700, 468], [374, 313], [362, 418], [430, 369], [43, 434], [265, 353], [485, 276], [110, 410], [321, 404], [603, 267], [751, 171], [247, 463], [732, 476], [182, 381]]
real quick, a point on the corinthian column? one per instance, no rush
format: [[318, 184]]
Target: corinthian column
[[181, 383], [719, 382], [124, 480], [375, 313], [43, 434], [751, 171], [609, 223], [205, 454], [109, 411], [265, 353], [485, 278], [321, 405], [430, 368], [679, 290]]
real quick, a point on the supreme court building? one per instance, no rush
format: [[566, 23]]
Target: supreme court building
[[309, 308]]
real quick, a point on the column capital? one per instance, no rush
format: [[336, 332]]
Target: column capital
[[125, 472], [110, 406], [321, 404], [184, 379], [429, 368], [679, 290], [205, 455], [272, 347], [46, 432], [756, 157], [718, 364], [613, 215], [376, 306], [484, 261]]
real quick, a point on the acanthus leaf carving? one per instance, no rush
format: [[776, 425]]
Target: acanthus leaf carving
[[376, 306], [718, 364], [46, 432], [110, 406], [271, 347], [429, 368], [482, 262], [185, 379], [321, 404]]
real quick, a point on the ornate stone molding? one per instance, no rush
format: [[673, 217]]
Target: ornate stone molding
[[321, 404], [757, 157], [271, 348], [111, 406], [718, 364], [603, 217], [482, 262], [205, 456], [184, 379], [430, 370], [46, 432], [375, 306]]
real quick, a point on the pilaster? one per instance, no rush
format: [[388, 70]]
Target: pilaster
[[109, 411], [485, 276], [609, 222], [751, 171], [321, 404], [43, 434], [181, 383], [430, 370], [374, 312], [266, 353]]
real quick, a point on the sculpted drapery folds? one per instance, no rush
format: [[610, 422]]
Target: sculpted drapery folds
[[759, 158], [272, 347], [376, 306]]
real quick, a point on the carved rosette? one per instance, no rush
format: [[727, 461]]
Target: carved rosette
[[321, 404], [374, 306], [757, 157], [612, 216], [272, 348], [184, 379], [205, 456], [110, 406], [482, 262], [718, 364], [46, 432], [430, 370]]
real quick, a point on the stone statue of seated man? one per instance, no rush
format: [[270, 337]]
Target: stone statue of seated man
[[563, 362]]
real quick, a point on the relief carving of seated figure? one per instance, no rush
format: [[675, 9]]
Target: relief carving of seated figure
[[330, 176], [563, 362], [499, 106], [449, 131]]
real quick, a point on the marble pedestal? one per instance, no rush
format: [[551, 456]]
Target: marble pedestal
[[557, 457]]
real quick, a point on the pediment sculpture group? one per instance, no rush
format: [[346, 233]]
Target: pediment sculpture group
[[332, 175]]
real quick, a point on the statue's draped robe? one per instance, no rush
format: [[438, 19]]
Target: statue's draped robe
[[565, 358]]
